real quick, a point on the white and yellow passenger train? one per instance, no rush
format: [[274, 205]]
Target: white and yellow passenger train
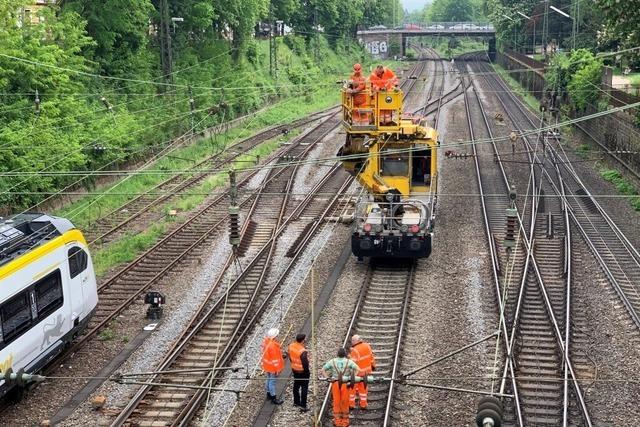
[[48, 291]]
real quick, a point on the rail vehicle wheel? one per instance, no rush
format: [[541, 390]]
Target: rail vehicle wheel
[[488, 413]]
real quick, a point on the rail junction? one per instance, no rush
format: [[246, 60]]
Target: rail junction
[[538, 226]]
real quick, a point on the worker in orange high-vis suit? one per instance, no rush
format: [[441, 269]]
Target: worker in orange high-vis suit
[[272, 363], [357, 85], [299, 358], [339, 369], [384, 79], [362, 355]]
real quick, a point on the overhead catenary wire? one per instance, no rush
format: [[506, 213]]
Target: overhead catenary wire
[[505, 138]]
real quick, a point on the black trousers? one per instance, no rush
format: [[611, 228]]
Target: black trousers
[[300, 388]]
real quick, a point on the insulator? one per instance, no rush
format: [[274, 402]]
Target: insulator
[[234, 225], [37, 102], [106, 103], [192, 104], [511, 228]]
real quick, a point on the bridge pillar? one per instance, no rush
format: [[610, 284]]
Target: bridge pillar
[[383, 45], [492, 49]]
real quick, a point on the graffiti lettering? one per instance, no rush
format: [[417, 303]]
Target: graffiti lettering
[[376, 47]]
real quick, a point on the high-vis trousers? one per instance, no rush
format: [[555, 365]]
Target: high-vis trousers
[[340, 397], [361, 389]]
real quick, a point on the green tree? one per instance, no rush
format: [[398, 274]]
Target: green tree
[[451, 11], [120, 29]]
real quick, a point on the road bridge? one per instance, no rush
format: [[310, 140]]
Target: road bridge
[[380, 41]]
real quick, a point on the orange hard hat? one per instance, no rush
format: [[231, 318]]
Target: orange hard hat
[[357, 67]]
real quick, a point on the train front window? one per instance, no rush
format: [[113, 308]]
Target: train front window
[[49, 294], [78, 261], [394, 163], [15, 315]]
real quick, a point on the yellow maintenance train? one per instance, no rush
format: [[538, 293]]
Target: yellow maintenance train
[[394, 157]]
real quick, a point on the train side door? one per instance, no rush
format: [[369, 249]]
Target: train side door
[[79, 277]]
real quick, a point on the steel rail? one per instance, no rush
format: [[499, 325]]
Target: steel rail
[[561, 341], [404, 313], [399, 343], [193, 406], [88, 335], [218, 159], [203, 318], [494, 261], [410, 272]]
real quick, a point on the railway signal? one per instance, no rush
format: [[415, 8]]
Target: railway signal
[[234, 211]]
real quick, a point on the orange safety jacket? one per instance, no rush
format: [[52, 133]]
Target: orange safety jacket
[[363, 356], [387, 81], [295, 356], [358, 81], [272, 360]]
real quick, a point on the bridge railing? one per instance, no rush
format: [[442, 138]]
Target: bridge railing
[[453, 26]]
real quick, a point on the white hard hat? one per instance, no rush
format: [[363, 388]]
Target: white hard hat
[[355, 339], [273, 332]]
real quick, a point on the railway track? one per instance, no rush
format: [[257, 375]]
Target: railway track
[[614, 252], [139, 208], [122, 289], [217, 331], [379, 318], [534, 279]]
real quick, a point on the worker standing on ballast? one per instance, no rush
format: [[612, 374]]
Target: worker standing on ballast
[[272, 363], [362, 355], [299, 358], [339, 370]]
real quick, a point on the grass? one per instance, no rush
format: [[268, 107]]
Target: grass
[[93, 206], [584, 150], [531, 101], [126, 249], [623, 186], [107, 334]]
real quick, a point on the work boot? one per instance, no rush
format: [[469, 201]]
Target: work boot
[[276, 401], [269, 397], [304, 409]]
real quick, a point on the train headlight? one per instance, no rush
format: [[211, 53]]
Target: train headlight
[[367, 228], [415, 228], [378, 228]]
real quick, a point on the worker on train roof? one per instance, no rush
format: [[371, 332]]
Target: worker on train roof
[[383, 78]]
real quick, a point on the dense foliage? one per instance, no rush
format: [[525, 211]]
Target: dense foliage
[[450, 11], [576, 77], [95, 68]]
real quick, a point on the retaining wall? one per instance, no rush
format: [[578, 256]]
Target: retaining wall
[[616, 132]]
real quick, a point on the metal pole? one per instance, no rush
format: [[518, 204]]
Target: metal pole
[[534, 37]]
